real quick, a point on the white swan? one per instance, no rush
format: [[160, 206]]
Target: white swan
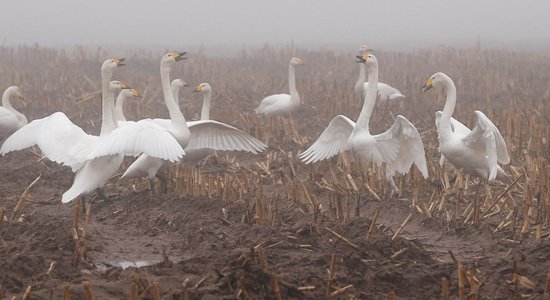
[[477, 151], [164, 141], [119, 104], [280, 104], [206, 135], [399, 147], [10, 119], [385, 91], [59, 139]]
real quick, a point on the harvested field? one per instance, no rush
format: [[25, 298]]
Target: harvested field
[[267, 226]]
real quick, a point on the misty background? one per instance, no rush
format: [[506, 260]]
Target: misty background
[[221, 24]]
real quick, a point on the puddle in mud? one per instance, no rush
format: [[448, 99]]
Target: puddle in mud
[[125, 264]]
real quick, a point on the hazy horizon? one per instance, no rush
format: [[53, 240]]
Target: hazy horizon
[[338, 25]]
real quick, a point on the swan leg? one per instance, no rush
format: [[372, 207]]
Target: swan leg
[[393, 187], [102, 195], [163, 182]]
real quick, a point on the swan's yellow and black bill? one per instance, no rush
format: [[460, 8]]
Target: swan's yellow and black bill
[[199, 88], [124, 86], [119, 62], [179, 55], [427, 85], [362, 58], [135, 93]]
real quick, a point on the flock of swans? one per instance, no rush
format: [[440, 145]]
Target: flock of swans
[[95, 159]]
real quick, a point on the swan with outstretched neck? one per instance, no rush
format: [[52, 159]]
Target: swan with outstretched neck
[[398, 147], [281, 104], [10, 119], [477, 151]]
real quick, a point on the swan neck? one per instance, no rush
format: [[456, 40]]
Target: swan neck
[[6, 101], [370, 99], [119, 108], [361, 80], [178, 120], [292, 83], [205, 111], [176, 94], [448, 109], [107, 103]]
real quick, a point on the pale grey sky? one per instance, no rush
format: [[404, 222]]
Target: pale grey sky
[[183, 23]]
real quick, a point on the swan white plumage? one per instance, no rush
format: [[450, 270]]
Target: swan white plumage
[[398, 147], [476, 151], [59, 139], [10, 119], [460, 128], [206, 135], [385, 91], [280, 104], [164, 141]]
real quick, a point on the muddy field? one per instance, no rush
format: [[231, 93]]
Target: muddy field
[[241, 226]]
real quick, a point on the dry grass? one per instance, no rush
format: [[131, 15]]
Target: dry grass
[[511, 88]]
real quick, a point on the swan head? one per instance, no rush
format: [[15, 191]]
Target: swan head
[[170, 58], [115, 86], [112, 63], [203, 87], [368, 59], [296, 61], [437, 79], [130, 92], [364, 49], [178, 83], [14, 91]]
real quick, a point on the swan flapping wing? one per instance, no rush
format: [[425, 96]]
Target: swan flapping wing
[[401, 146], [220, 136], [486, 137], [59, 139], [144, 136], [332, 141]]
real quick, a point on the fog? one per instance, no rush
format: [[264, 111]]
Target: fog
[[392, 24]]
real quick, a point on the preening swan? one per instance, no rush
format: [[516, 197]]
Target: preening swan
[[59, 139], [206, 135], [398, 147], [477, 151], [10, 119], [280, 104]]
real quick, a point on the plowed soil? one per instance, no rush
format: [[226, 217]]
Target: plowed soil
[[176, 244]]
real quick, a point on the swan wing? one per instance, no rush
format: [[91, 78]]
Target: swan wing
[[400, 147], [485, 137], [332, 141], [144, 136], [59, 139], [220, 136]]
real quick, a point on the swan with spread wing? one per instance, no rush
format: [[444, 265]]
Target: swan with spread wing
[[398, 147], [477, 151]]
